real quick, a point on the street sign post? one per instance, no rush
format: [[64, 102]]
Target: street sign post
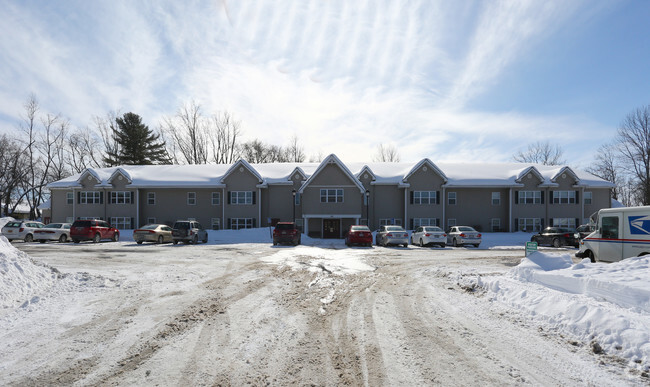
[[531, 247]]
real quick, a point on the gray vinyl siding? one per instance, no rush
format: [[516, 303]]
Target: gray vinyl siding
[[278, 203], [424, 180], [574, 210], [171, 205], [474, 208], [601, 198], [387, 202], [242, 180], [332, 177]]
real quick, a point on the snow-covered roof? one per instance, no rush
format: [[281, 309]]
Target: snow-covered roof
[[454, 174]]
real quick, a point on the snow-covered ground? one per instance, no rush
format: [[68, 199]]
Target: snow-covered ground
[[605, 306]]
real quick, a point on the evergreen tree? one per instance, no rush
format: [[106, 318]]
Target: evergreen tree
[[137, 144]]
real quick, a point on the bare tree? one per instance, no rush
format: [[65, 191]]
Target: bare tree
[[106, 126], [317, 158], [13, 170], [83, 146], [606, 166], [541, 152], [634, 145], [386, 153], [225, 132], [294, 151]]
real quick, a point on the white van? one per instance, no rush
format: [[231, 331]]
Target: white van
[[620, 233]]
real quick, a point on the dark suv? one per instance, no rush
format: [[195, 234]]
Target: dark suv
[[93, 230], [189, 231], [286, 232]]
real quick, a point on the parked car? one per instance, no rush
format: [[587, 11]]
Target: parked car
[[556, 237], [358, 235], [53, 232], [286, 232], [93, 230], [23, 230], [429, 235], [463, 235], [584, 230], [158, 233], [189, 231], [392, 235]]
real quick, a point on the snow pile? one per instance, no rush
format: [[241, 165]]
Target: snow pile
[[608, 304], [21, 280], [317, 259], [6, 220]]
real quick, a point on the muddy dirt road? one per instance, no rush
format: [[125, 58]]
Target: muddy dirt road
[[249, 314]]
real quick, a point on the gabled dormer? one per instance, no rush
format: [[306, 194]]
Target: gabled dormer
[[530, 177], [120, 178], [240, 169], [426, 169], [297, 175], [89, 178], [332, 172], [566, 178]]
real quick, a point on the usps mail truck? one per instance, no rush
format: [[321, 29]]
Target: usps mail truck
[[620, 233]]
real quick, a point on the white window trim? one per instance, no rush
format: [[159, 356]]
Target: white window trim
[[189, 198], [217, 197], [496, 201], [450, 198], [431, 197], [336, 195], [151, 196], [236, 200], [126, 197]]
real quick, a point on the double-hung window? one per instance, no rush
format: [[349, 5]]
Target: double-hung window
[[451, 198], [69, 198], [151, 198], [241, 197], [216, 198], [89, 197], [121, 197], [496, 198], [331, 196], [191, 198], [530, 197], [564, 197], [424, 197]]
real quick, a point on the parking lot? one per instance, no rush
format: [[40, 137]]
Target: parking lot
[[252, 313]]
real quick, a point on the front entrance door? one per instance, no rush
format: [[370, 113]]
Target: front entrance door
[[331, 228]]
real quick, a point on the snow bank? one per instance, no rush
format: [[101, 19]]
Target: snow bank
[[608, 303], [21, 280], [6, 220]]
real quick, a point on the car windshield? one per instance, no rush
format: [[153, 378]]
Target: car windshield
[[394, 228], [285, 226], [53, 225], [432, 229], [82, 223], [360, 228], [149, 227], [465, 229], [183, 225]]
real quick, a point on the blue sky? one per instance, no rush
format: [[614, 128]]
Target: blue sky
[[449, 80]]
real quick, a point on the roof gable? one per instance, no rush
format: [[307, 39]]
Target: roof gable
[[241, 163], [566, 171], [120, 172], [426, 163], [332, 160], [89, 174], [532, 171]]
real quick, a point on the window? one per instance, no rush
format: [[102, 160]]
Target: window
[[151, 198], [610, 227], [215, 223], [89, 217], [239, 223], [588, 197], [495, 224], [331, 196], [451, 198], [90, 197], [69, 196], [216, 200], [564, 197], [530, 224], [296, 201], [121, 197], [424, 197], [151, 220], [451, 223], [121, 222], [530, 197], [390, 221], [191, 198], [569, 223], [496, 198], [241, 197], [418, 222]]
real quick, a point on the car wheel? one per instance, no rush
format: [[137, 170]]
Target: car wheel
[[75, 240], [556, 242], [139, 242], [421, 243], [63, 238], [41, 241], [160, 239], [97, 238], [29, 238], [116, 237], [443, 245], [406, 245], [591, 257], [174, 241]]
